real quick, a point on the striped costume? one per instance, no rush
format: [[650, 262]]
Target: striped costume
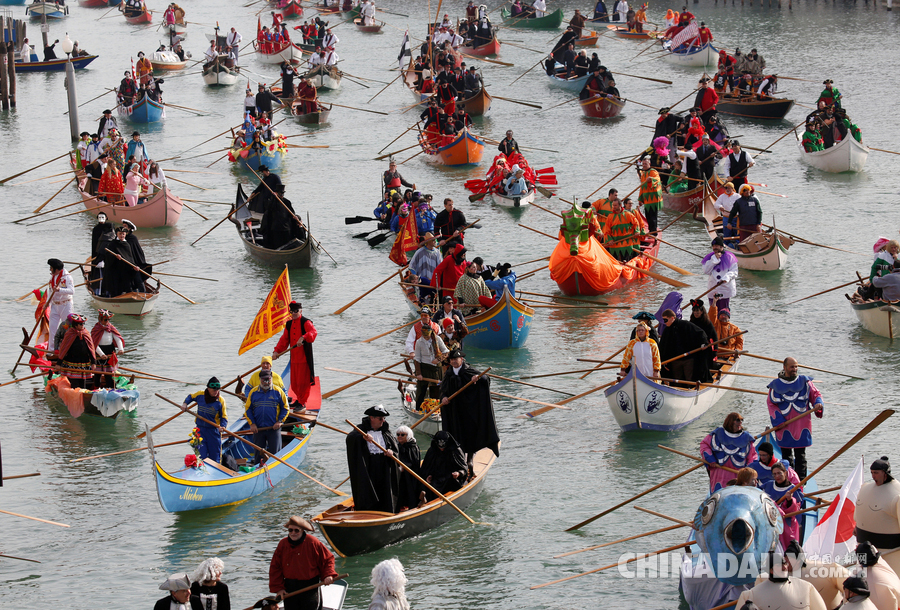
[[621, 234], [651, 189]]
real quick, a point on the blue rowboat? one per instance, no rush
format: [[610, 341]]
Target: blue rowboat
[[11, 2], [214, 485], [51, 10], [271, 159], [54, 65], [144, 110], [504, 325]]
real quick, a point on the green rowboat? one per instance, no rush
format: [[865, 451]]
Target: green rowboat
[[548, 22]]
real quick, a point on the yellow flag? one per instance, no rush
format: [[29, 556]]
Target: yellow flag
[[272, 315]]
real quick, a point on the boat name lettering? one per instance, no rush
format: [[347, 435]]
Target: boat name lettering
[[396, 526], [190, 494]]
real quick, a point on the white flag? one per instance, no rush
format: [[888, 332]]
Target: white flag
[[404, 51], [688, 33], [834, 535]]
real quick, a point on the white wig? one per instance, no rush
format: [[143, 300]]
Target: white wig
[[210, 569], [407, 430], [388, 579]]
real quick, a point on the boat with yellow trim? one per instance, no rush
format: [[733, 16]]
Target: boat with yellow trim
[[211, 484]]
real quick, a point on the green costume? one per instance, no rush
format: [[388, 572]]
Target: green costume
[[854, 130], [881, 266], [677, 184], [812, 141], [575, 228]]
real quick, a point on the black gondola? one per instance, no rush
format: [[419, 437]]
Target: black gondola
[[753, 108]]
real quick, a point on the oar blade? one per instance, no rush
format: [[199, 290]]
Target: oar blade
[[377, 239]]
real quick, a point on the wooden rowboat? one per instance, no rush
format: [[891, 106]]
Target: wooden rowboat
[[162, 209], [639, 403], [297, 254], [550, 21], [621, 31], [220, 76], [311, 118], [292, 10], [586, 274], [369, 29], [145, 110], [105, 403], [328, 79], [879, 317], [588, 40], [166, 61], [214, 485], [54, 65], [694, 57], [513, 202], [848, 155], [50, 10], [685, 201], [145, 17], [478, 104], [92, 3], [574, 84], [491, 48], [601, 107], [352, 532], [464, 149], [753, 108], [137, 304], [289, 52]]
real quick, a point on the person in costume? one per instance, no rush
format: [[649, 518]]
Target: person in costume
[[450, 223], [448, 272], [389, 583], [101, 235], [830, 96], [300, 560], [706, 99], [107, 123], [724, 204], [878, 512], [885, 256], [374, 476], [266, 410], [211, 405], [746, 214], [621, 233], [264, 365], [279, 224], [470, 290], [444, 467], [856, 594], [722, 268], [415, 332], [119, 276], [408, 495], [208, 586], [781, 590], [737, 164], [112, 188], [108, 341], [728, 446], [721, 321], [651, 194], [700, 319], [764, 461], [428, 356], [77, 353], [643, 351], [299, 335], [789, 396], [680, 337], [883, 583], [259, 199], [469, 417], [179, 597], [62, 291], [778, 488]]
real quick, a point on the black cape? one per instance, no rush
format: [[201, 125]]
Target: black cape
[[373, 489], [682, 337], [469, 418], [409, 487], [102, 231], [119, 276], [440, 466], [260, 203]]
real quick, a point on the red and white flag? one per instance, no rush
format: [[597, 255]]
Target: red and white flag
[[834, 535], [688, 33]]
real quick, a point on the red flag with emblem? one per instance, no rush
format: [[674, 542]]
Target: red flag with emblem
[[407, 241]]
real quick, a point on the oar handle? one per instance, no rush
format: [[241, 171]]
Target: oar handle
[[721, 282], [703, 347], [452, 396], [788, 422]]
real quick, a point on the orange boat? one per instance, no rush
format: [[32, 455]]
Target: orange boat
[[491, 48], [589, 40], [461, 149], [593, 270], [624, 32]]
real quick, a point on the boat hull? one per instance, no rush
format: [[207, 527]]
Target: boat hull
[[137, 304], [755, 109], [303, 256], [49, 9], [144, 110], [271, 159], [431, 425], [513, 202], [503, 326], [92, 3], [220, 79], [326, 81], [623, 32], [162, 209], [576, 283], [597, 107], [848, 155], [701, 57], [879, 317], [478, 104], [354, 533], [660, 407], [368, 29], [291, 53], [588, 40], [550, 21], [491, 48], [54, 65], [109, 402], [313, 118], [145, 17], [686, 201], [292, 10], [575, 84], [466, 149]]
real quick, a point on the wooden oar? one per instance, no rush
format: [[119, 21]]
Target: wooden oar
[[683, 545], [415, 475], [814, 295], [538, 402], [680, 522], [812, 243], [391, 379], [506, 99], [512, 44], [5, 180], [136, 268], [604, 368], [37, 211], [53, 196], [564, 298], [657, 80], [659, 239], [610, 360], [369, 340], [543, 410], [65, 173], [390, 154], [883, 150], [803, 366], [451, 397], [384, 89], [532, 385], [304, 589], [490, 61], [93, 209], [600, 546], [539, 232], [543, 258], [664, 263], [343, 106], [688, 304], [188, 183], [94, 457], [653, 274], [353, 383], [161, 424], [20, 558], [359, 298], [6, 512], [22, 476], [701, 460], [256, 447], [30, 336], [788, 423]]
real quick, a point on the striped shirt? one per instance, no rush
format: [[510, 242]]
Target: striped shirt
[[424, 262]]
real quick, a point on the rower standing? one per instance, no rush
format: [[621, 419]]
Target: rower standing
[[298, 337], [299, 561], [210, 405], [789, 396]]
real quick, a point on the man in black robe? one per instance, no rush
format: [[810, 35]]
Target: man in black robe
[[279, 221], [560, 47], [444, 467], [595, 85], [469, 417], [119, 275], [450, 222], [264, 101], [706, 158], [259, 199], [374, 477], [139, 259], [666, 124], [287, 79], [681, 337], [102, 233]]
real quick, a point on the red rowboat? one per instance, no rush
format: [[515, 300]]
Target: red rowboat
[[690, 199], [145, 17], [292, 10], [491, 48], [464, 149], [593, 270], [600, 107]]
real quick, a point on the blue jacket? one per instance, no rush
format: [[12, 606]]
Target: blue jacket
[[213, 411], [264, 408], [425, 221], [384, 207], [509, 281]]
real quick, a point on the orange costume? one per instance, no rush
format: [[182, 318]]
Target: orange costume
[[621, 233], [651, 189], [144, 70], [726, 330]]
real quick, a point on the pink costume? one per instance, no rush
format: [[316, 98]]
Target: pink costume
[[726, 449], [133, 183]]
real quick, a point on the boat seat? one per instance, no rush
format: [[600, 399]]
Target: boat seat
[[219, 467], [364, 515]]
